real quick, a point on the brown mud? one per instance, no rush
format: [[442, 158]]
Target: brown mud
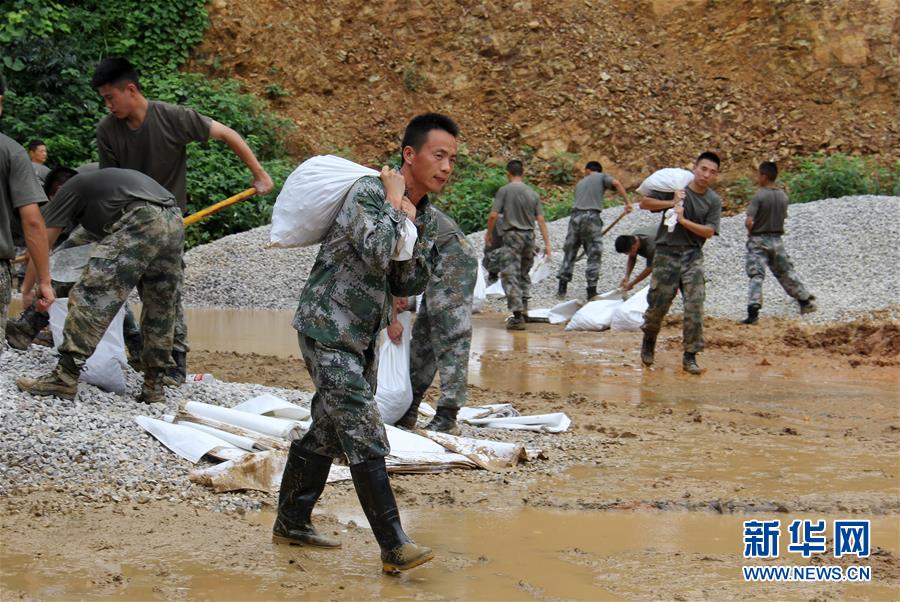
[[642, 499]]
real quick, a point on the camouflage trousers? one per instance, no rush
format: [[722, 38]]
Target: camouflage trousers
[[144, 250], [674, 269], [516, 260], [346, 424], [768, 250], [5, 297], [585, 230]]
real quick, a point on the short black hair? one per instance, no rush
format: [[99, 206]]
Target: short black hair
[[624, 243], [56, 178], [34, 144], [515, 168], [769, 169], [594, 166], [115, 71], [417, 130], [709, 156]]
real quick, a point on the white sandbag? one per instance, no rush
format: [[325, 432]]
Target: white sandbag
[[394, 392], [668, 179], [540, 269], [479, 296], [310, 199], [563, 312], [495, 290], [596, 315], [104, 368], [630, 315], [616, 294]]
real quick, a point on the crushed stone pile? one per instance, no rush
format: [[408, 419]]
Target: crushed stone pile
[[845, 251]]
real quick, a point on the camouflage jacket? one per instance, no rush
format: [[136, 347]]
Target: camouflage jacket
[[346, 300], [452, 282]]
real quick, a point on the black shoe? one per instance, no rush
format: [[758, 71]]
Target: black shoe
[[398, 552], [752, 314], [561, 291], [808, 306], [516, 321], [302, 483], [689, 363], [410, 418], [444, 421], [175, 377], [591, 292], [22, 331], [648, 347]]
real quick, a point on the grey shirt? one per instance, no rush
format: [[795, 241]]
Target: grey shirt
[[18, 187], [768, 210], [704, 209], [98, 199], [158, 147], [647, 238], [520, 206], [41, 171], [589, 191], [447, 230]]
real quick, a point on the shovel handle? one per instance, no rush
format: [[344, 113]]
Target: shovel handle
[[203, 213]]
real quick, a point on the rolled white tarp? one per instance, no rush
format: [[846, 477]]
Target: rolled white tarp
[[273, 427], [556, 422], [272, 405], [245, 443], [186, 442]]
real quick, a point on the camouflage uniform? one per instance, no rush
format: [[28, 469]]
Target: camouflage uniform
[[674, 268], [345, 303], [442, 333], [585, 229], [143, 249], [768, 250], [516, 260]]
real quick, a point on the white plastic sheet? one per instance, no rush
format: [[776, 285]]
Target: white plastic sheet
[[556, 422], [630, 314], [310, 199], [668, 179], [188, 443], [403, 250], [394, 392], [563, 312], [272, 405], [541, 269], [479, 296], [495, 290], [274, 427], [104, 368], [596, 315]]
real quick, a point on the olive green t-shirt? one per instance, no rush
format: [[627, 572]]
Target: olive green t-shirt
[[768, 208], [704, 209], [98, 199], [158, 147], [520, 206], [589, 191], [18, 187], [41, 171], [647, 238], [447, 230]]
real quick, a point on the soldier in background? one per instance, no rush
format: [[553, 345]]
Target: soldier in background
[[643, 243], [37, 151]]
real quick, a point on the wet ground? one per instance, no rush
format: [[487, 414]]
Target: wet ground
[[643, 499]]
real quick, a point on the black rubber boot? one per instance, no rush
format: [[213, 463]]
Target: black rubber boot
[[23, 330], [398, 552], [648, 348], [689, 363], [302, 483], [444, 421], [561, 291], [591, 292], [516, 322], [410, 418], [808, 306], [752, 314], [175, 376]]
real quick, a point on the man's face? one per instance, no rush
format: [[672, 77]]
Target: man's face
[[120, 100], [705, 173], [39, 154], [431, 165]]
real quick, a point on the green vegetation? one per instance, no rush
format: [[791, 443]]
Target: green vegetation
[[829, 176], [50, 50]]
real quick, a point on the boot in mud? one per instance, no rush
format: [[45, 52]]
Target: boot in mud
[[398, 552], [808, 306], [444, 421], [648, 348], [302, 483], [752, 314], [516, 321], [409, 419], [153, 391], [61, 382], [22, 331], [689, 363], [174, 377]]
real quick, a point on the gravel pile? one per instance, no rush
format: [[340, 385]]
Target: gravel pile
[[845, 251], [93, 450]]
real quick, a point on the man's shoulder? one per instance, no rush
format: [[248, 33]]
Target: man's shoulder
[[367, 188], [108, 123], [712, 197]]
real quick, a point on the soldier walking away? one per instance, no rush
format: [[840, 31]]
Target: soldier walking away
[[151, 137], [765, 225], [521, 207], [344, 304], [643, 243], [141, 242], [586, 227], [678, 263], [442, 332]]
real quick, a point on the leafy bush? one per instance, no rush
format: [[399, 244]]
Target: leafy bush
[[562, 168], [829, 176]]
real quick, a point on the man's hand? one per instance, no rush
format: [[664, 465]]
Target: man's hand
[[407, 207], [623, 283], [679, 210], [27, 298], [628, 208], [487, 238], [626, 285], [394, 186], [547, 250], [45, 299], [263, 183], [395, 332]]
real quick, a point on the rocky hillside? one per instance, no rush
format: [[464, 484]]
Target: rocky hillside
[[639, 83]]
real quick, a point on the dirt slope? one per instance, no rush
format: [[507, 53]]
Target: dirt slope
[[642, 84]]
